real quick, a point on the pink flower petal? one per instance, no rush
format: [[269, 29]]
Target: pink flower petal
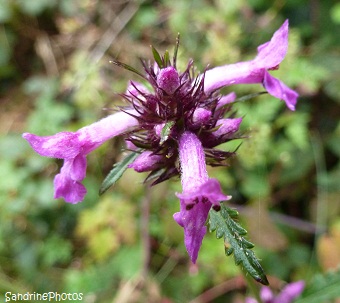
[[66, 187], [146, 161], [279, 90], [199, 193], [290, 292], [63, 145], [73, 148], [269, 56]]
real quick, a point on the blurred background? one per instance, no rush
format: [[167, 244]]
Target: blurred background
[[285, 181]]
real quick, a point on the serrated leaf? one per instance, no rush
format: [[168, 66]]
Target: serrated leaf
[[229, 251], [166, 130], [219, 234], [157, 57], [116, 172], [232, 212], [323, 288], [224, 225], [248, 244]]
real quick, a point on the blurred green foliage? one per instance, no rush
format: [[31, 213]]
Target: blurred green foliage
[[285, 181]]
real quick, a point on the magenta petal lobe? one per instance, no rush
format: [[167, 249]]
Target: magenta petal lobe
[[271, 53], [78, 168], [61, 145], [192, 218], [64, 187], [279, 90], [290, 292]]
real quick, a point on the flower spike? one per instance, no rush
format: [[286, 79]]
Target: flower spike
[[172, 126]]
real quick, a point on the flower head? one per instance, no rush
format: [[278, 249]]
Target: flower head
[[176, 126]]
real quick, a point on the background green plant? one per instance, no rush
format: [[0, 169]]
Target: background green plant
[[55, 75]]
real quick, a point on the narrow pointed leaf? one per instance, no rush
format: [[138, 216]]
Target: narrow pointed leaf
[[167, 174], [166, 130], [127, 67], [166, 59], [154, 175], [223, 223], [176, 50], [157, 57], [250, 96], [116, 172]]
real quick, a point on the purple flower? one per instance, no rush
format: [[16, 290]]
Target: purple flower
[[269, 57], [176, 124], [146, 161], [168, 80], [226, 128], [73, 148], [287, 295], [199, 193]]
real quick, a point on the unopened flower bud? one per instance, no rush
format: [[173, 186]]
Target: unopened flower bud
[[146, 161], [201, 116], [168, 80]]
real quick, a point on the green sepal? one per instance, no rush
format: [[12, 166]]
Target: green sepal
[[166, 59], [176, 50], [117, 171], [157, 57], [250, 96], [127, 67], [155, 174], [223, 222], [166, 130]]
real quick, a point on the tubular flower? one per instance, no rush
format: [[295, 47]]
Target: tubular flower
[[199, 193], [73, 148], [269, 57], [176, 124]]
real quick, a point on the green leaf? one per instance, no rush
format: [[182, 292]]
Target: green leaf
[[323, 288], [225, 226], [166, 59], [166, 130], [250, 96], [127, 67], [157, 57], [176, 50], [116, 172]]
